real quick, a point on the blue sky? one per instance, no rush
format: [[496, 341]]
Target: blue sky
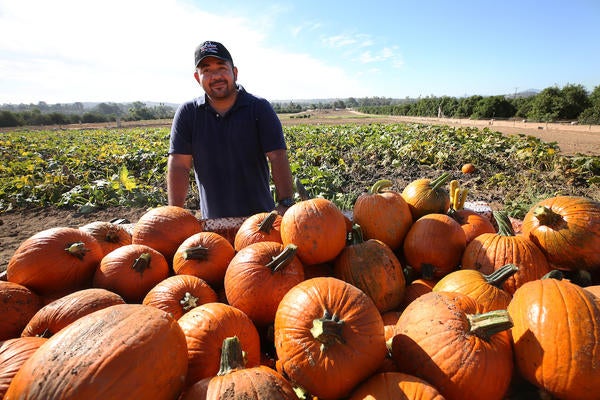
[[63, 51]]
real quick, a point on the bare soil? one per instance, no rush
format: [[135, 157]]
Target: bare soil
[[16, 226]]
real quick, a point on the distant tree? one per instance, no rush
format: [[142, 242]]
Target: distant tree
[[108, 109], [466, 106], [546, 105], [493, 107], [591, 115], [8, 118], [575, 100], [351, 102]]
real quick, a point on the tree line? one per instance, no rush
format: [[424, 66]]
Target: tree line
[[75, 113], [569, 103]]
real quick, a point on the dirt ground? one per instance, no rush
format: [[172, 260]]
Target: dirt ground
[[15, 227]]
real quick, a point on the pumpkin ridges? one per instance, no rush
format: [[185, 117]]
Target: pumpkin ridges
[[383, 214], [19, 304], [13, 353], [211, 266], [138, 348], [261, 227], [304, 360], [44, 264], [63, 311], [548, 341]]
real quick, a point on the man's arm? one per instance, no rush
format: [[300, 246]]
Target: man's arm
[[281, 173], [178, 178]]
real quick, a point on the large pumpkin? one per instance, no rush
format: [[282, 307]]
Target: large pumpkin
[[567, 229], [445, 339], [179, 294], [109, 235], [372, 267], [434, 245], [235, 381], [56, 261], [131, 271], [491, 251], [317, 227], [425, 196], [13, 353], [485, 289], [556, 338], [205, 255], [19, 304], [63, 311], [125, 351], [164, 228], [205, 327], [383, 214], [329, 336], [259, 276], [260, 227]]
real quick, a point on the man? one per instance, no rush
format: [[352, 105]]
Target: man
[[229, 137]]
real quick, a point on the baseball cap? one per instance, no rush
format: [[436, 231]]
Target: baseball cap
[[211, 49]]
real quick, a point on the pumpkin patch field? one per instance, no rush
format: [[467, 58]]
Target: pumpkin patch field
[[419, 262]]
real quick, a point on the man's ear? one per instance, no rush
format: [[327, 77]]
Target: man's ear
[[235, 73], [197, 76]]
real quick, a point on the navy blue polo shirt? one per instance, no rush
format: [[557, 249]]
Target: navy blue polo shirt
[[230, 165]]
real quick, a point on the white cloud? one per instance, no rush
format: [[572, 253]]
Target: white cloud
[[141, 50]]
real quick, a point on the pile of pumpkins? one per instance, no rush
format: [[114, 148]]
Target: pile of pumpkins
[[413, 296]]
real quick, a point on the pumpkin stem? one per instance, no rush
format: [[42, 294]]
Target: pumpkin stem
[[111, 235], [188, 301], [232, 356], [142, 262], [356, 236], [487, 324], [499, 276], [505, 228], [328, 330], [380, 186], [77, 249], [439, 181], [283, 259], [267, 223], [195, 253], [554, 274], [546, 216]]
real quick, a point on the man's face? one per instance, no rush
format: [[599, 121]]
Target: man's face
[[217, 77]]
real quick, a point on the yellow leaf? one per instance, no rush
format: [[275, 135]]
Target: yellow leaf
[[127, 181]]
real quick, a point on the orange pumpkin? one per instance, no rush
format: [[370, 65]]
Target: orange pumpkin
[[63, 311], [467, 168], [261, 227], [426, 196], [445, 339], [434, 245], [55, 261], [416, 289], [205, 327], [19, 304], [258, 277], [164, 228], [395, 385], [13, 353], [131, 271], [317, 227], [372, 267], [205, 255], [555, 338], [109, 235], [235, 381], [139, 350], [325, 327], [491, 251], [383, 214], [485, 289], [567, 229], [180, 293]]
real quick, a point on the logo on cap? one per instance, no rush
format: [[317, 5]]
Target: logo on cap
[[210, 47]]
